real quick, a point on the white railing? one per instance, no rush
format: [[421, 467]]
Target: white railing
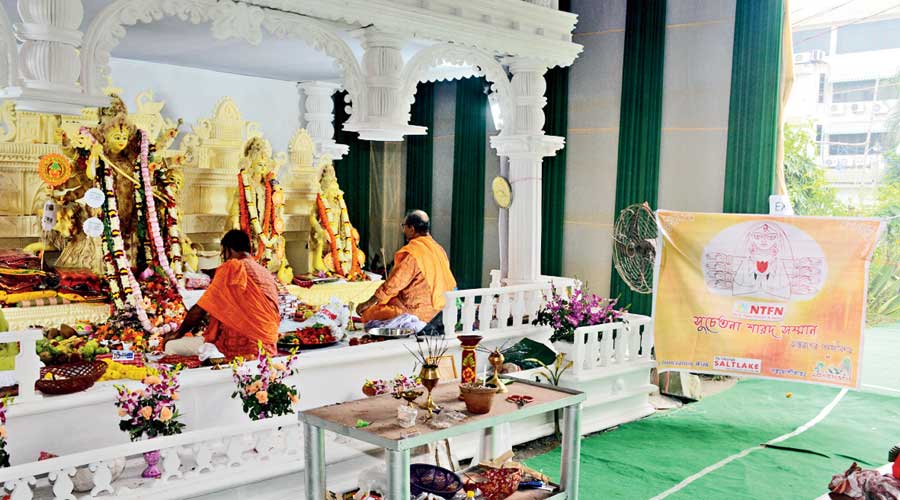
[[609, 345], [491, 309], [188, 460], [28, 365], [560, 282]]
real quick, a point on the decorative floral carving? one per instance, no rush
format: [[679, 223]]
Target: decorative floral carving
[[228, 19], [419, 67]]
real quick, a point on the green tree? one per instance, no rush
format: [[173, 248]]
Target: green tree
[[809, 190]]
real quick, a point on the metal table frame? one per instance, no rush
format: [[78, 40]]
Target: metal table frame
[[397, 452]]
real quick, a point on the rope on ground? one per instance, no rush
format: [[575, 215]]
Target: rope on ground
[[718, 465]]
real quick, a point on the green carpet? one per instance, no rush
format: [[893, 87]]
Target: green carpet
[[643, 459]]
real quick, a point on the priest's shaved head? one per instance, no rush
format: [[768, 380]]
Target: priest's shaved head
[[418, 221]]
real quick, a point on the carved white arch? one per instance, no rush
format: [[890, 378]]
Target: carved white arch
[[228, 19], [418, 69], [9, 71]]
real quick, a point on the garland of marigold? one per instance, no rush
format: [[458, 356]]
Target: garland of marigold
[[332, 240]]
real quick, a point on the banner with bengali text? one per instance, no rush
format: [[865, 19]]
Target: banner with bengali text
[[762, 296]]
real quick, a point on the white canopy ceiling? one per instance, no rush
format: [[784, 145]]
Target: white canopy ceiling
[[181, 43]]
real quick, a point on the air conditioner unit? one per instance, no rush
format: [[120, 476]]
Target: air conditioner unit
[[858, 108], [817, 55], [837, 108]]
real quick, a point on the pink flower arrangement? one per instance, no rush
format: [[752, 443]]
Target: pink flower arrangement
[[565, 314], [263, 391], [151, 411], [395, 386], [4, 455]]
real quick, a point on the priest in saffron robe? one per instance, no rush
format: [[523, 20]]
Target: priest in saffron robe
[[420, 277], [241, 303]]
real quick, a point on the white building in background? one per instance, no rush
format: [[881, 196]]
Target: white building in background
[[847, 82]]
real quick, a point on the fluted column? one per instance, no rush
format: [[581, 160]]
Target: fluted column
[[385, 115], [523, 141], [49, 66], [318, 118]]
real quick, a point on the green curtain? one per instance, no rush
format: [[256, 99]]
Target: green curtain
[[553, 198], [420, 151], [640, 122], [353, 172], [467, 219], [753, 110]]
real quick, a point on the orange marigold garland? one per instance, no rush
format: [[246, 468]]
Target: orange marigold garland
[[332, 240]]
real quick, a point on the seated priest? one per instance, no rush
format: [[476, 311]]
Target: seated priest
[[241, 303], [419, 279]]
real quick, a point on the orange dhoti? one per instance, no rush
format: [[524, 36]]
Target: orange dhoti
[[242, 303]]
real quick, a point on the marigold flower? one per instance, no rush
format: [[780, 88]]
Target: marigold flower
[[262, 397]]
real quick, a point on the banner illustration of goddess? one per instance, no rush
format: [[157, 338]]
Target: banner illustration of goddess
[[765, 296], [764, 259]]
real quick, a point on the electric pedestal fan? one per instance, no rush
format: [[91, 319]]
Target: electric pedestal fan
[[634, 252]]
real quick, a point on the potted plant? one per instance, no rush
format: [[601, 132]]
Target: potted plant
[[151, 412], [567, 314]]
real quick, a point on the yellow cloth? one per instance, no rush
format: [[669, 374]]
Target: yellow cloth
[[14, 298], [355, 292], [433, 264]]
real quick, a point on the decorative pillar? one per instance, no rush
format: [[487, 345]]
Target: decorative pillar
[[49, 66], [526, 145], [385, 114], [318, 118]]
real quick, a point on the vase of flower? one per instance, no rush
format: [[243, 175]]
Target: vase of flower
[[152, 460]]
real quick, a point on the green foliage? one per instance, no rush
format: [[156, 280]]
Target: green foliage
[[527, 350], [554, 372], [811, 195], [809, 191]]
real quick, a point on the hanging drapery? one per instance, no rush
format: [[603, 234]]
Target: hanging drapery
[[553, 198], [753, 110], [467, 220], [787, 83], [420, 151], [353, 173], [640, 122]]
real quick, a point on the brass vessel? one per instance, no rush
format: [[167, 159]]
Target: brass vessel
[[496, 359], [429, 376]]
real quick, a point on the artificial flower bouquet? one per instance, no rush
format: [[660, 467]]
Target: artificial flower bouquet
[[263, 391], [150, 412], [565, 314]]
